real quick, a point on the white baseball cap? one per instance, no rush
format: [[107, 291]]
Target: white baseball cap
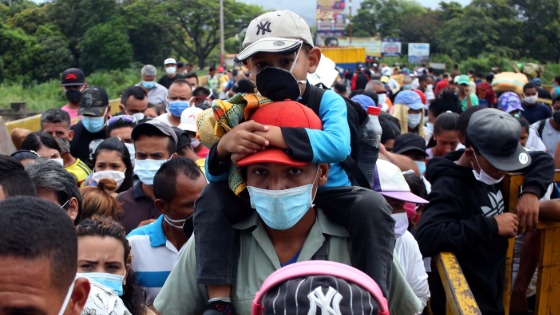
[[276, 31], [389, 181], [188, 118], [169, 61]]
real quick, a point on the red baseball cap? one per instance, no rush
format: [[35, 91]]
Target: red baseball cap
[[282, 114]]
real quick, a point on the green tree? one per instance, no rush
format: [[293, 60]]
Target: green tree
[[197, 31], [384, 17], [450, 10], [30, 19], [540, 34], [75, 17], [149, 31], [53, 54], [105, 46], [17, 53], [485, 26]]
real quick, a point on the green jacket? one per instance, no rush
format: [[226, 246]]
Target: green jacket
[[257, 260]]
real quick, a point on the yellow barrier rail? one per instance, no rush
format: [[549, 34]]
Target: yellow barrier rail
[[458, 295], [548, 280], [33, 123]]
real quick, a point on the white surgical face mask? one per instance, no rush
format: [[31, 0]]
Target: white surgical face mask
[[483, 177], [170, 70], [59, 161], [414, 120], [401, 223], [131, 151], [531, 99], [67, 298], [117, 176], [176, 223]]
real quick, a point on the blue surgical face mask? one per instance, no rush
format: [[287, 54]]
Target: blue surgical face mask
[[93, 124], [148, 84], [146, 170], [176, 108], [421, 166], [282, 209], [108, 280]]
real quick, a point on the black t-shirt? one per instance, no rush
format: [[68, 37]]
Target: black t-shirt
[[84, 143], [166, 81]]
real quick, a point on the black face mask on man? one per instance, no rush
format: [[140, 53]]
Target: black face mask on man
[[277, 84], [556, 117], [74, 96]]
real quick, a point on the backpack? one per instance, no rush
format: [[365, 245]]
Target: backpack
[[541, 127], [357, 116]]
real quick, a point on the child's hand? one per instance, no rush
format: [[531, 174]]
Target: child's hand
[[274, 136], [243, 139]]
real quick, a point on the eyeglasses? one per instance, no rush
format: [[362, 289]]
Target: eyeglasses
[[125, 118]]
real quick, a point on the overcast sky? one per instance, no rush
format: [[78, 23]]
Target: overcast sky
[[306, 8]]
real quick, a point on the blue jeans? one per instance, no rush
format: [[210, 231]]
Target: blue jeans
[[363, 212]]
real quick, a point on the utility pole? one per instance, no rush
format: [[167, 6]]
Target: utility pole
[[222, 48], [350, 26]]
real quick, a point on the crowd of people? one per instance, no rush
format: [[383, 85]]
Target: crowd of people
[[222, 196]]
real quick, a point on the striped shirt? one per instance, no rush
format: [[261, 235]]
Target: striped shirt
[[80, 170], [153, 257]]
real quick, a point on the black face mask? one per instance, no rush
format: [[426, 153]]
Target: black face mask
[[556, 117], [74, 96], [277, 84], [188, 227]]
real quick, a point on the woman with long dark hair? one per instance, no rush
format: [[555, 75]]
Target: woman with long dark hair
[[104, 257], [112, 160]]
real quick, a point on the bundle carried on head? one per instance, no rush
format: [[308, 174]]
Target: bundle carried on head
[[223, 116]]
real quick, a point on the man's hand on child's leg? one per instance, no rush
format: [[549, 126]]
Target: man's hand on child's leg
[[243, 139]]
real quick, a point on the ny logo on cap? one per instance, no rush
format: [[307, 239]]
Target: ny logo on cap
[[263, 26], [317, 299]]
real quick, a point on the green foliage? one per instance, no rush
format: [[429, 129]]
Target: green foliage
[[105, 47], [198, 29], [149, 36], [17, 52], [49, 94]]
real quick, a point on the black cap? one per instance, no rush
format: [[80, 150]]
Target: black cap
[[496, 136], [409, 142], [94, 101], [73, 77]]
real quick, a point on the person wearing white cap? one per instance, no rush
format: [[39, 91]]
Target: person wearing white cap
[[390, 182], [188, 124], [170, 66]]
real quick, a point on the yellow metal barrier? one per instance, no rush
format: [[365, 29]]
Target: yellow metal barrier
[[458, 295], [548, 283], [33, 123]]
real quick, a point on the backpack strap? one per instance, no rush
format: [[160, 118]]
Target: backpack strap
[[315, 97], [541, 127], [355, 172], [323, 251]]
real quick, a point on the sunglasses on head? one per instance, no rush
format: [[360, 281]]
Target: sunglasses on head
[[125, 118]]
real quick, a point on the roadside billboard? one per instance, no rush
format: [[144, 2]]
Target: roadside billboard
[[391, 47], [418, 53]]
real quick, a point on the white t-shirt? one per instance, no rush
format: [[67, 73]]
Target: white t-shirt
[[410, 259]]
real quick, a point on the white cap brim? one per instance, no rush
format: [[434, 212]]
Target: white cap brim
[[187, 127], [270, 45]]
